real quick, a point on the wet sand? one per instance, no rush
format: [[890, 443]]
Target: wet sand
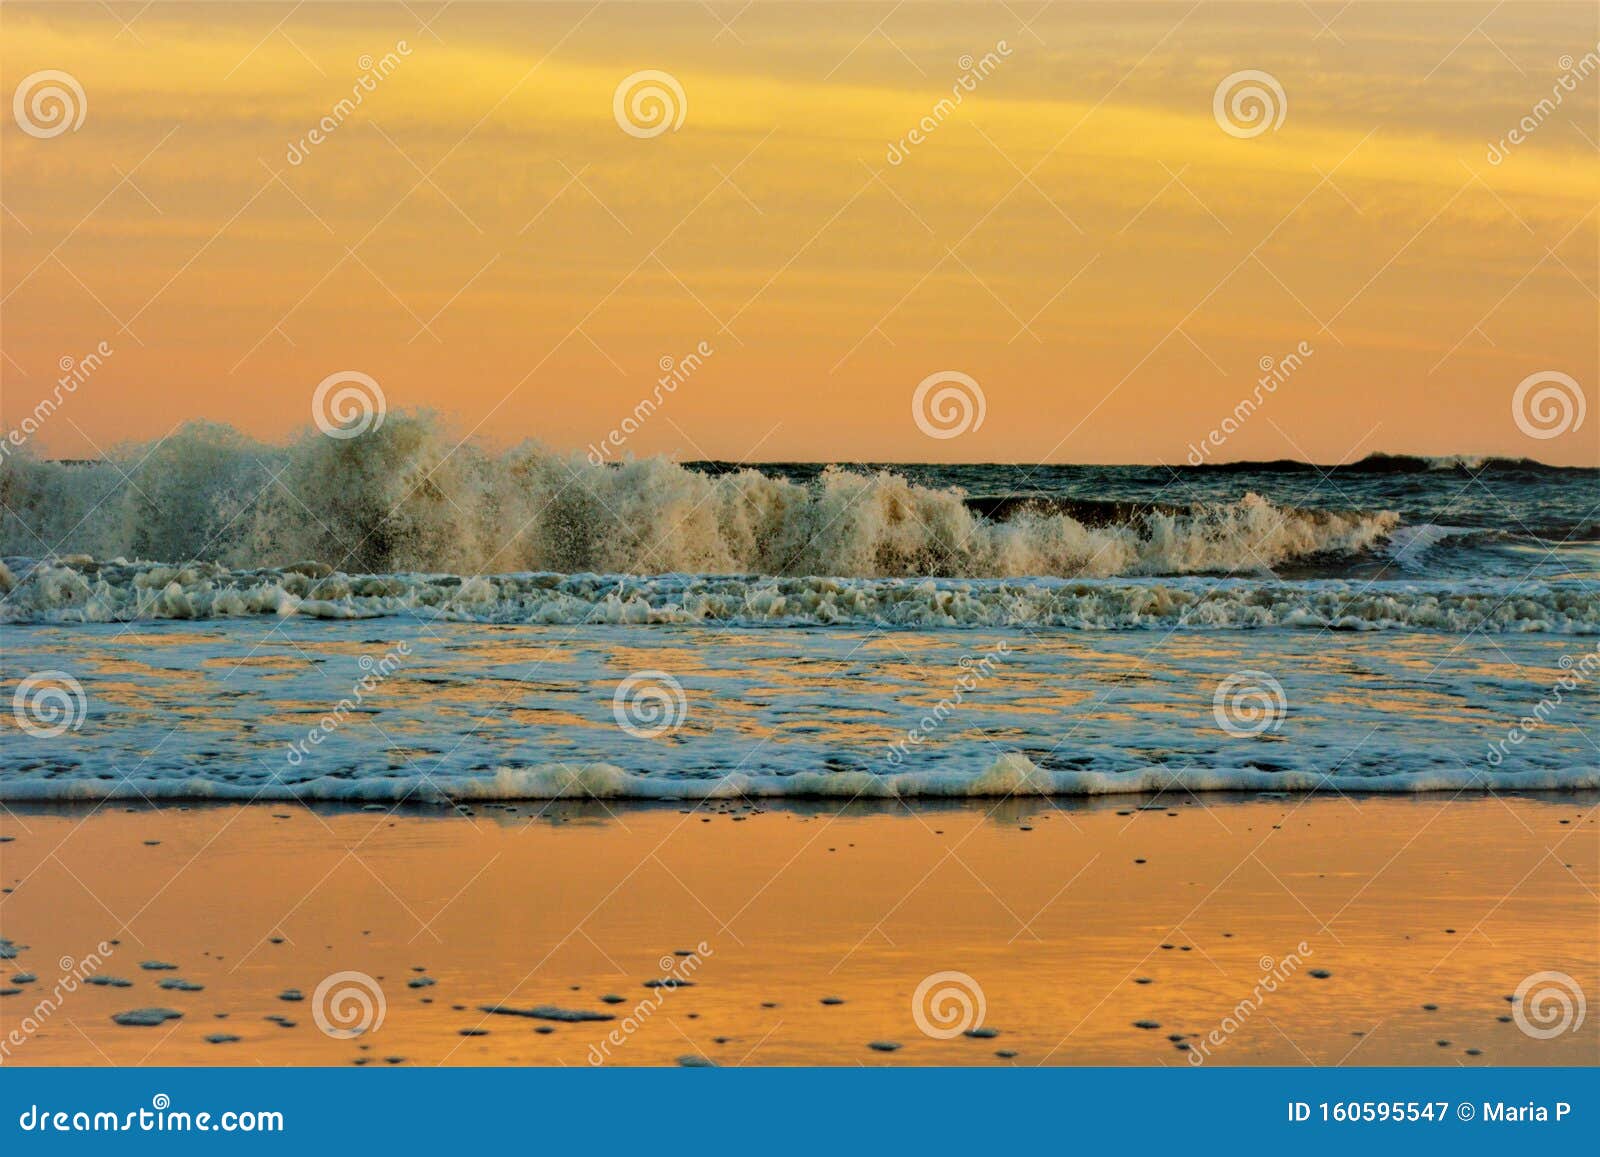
[[1096, 932]]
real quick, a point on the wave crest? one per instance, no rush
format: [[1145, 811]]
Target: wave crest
[[407, 497]]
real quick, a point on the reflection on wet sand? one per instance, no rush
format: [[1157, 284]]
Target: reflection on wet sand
[[1142, 931]]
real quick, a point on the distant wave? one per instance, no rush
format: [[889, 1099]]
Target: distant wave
[[1400, 464], [81, 590], [409, 497]]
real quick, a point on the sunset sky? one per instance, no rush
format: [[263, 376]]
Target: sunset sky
[[1080, 235]]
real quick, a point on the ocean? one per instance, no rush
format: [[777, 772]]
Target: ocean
[[403, 617]]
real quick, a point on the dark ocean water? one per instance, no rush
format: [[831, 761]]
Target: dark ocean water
[[1457, 516]]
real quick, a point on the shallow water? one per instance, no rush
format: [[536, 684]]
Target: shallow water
[[403, 708]]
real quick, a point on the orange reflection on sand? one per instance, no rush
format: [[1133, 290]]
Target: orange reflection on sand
[[1080, 923]]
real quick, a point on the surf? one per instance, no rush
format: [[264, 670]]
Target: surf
[[410, 497]]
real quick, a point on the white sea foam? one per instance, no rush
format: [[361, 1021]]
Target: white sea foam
[[80, 590], [404, 709], [408, 497], [1010, 775]]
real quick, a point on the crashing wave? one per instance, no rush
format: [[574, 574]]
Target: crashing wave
[[407, 497]]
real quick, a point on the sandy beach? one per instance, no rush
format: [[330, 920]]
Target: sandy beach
[[1366, 931]]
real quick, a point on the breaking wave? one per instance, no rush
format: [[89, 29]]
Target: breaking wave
[[407, 497]]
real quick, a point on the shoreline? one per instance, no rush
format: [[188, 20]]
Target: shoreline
[[1092, 934], [801, 805], [1011, 777]]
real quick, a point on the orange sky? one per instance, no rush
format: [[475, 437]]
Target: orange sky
[[1079, 235]]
